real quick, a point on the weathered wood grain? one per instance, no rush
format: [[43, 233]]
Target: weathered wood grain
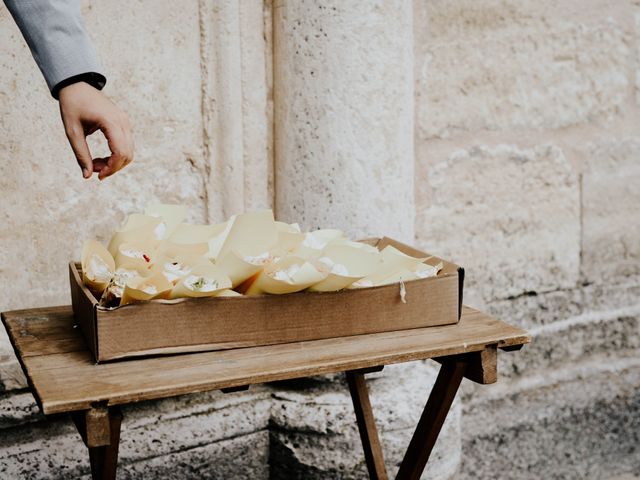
[[482, 367], [366, 426], [433, 417], [64, 377]]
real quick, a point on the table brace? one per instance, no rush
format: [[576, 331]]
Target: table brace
[[99, 428], [479, 367]]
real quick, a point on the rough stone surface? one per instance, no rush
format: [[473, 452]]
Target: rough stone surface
[[200, 436], [512, 65], [570, 325], [344, 115], [580, 422], [158, 428], [612, 296], [576, 339], [43, 450], [257, 104], [533, 310], [11, 376], [309, 423], [637, 57], [510, 216], [611, 216], [237, 458], [18, 408], [235, 106]]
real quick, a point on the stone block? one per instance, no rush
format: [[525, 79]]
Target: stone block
[[612, 296], [517, 66], [237, 458], [610, 212], [579, 422], [48, 449], [637, 57], [315, 456], [510, 216], [17, 408], [11, 376], [152, 429], [53, 450], [573, 340], [532, 310], [158, 82], [191, 433]]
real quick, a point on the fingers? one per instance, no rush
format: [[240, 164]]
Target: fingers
[[129, 135], [120, 143], [105, 167], [78, 143], [84, 110], [99, 164]]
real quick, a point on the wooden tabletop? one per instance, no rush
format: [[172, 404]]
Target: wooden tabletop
[[64, 377]]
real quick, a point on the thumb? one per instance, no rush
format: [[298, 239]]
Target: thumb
[[78, 143]]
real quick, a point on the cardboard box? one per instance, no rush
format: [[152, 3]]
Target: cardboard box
[[216, 323]]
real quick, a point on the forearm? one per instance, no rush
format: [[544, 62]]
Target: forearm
[[55, 33]]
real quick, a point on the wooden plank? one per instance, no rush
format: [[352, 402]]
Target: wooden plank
[[483, 365], [43, 331], [71, 381], [366, 426], [432, 419], [98, 431], [93, 426], [104, 459], [42, 313]]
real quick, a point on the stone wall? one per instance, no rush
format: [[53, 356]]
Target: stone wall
[[502, 134], [527, 173]]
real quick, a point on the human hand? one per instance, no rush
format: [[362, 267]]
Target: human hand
[[84, 110]]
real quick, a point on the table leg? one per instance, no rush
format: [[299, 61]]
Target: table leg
[[432, 419], [99, 428], [366, 425]]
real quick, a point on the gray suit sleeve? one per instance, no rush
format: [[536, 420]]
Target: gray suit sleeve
[[58, 41]]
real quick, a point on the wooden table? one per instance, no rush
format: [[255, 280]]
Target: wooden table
[[64, 377]]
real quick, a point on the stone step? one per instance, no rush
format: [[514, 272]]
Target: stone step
[[579, 422]]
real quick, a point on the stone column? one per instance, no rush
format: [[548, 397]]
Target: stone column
[[343, 107], [235, 53], [343, 99]]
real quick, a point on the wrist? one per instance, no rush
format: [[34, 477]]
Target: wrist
[[94, 79]]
